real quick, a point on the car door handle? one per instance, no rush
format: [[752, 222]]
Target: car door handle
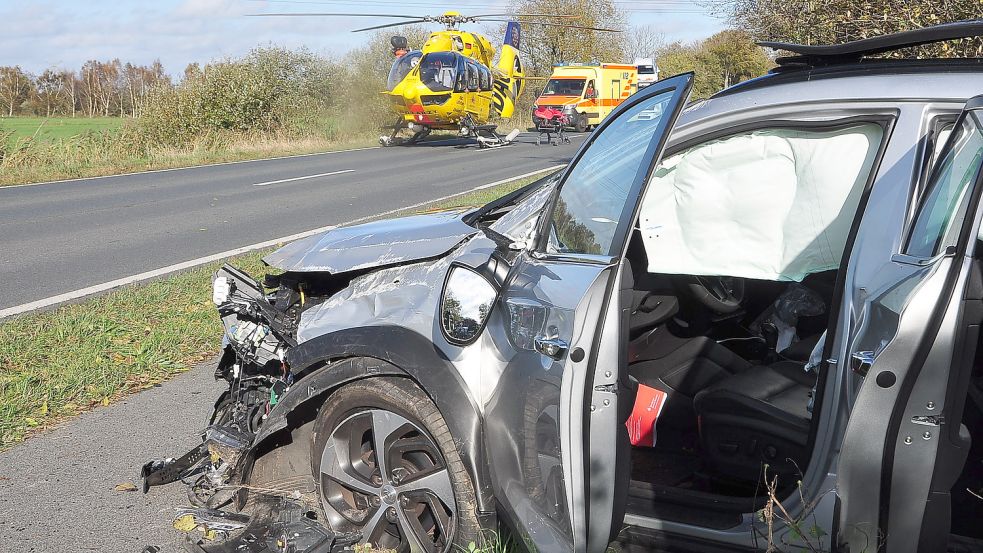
[[550, 347]]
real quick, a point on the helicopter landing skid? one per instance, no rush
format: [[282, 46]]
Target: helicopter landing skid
[[395, 140]]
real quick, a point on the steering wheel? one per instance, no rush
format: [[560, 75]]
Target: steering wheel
[[720, 294]]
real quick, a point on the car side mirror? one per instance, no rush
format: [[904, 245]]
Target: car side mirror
[[538, 92], [465, 304]]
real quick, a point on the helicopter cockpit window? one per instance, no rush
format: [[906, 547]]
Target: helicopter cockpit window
[[439, 70], [564, 87], [402, 66], [485, 78]]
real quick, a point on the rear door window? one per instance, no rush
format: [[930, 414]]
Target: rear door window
[[944, 202]]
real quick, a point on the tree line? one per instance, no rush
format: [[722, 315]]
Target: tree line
[[115, 88], [98, 88]]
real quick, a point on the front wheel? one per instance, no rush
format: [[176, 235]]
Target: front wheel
[[386, 466], [581, 124]]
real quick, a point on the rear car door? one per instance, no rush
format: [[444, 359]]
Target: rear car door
[[554, 422], [904, 444]]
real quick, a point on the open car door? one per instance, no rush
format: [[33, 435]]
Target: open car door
[[904, 445], [554, 424]]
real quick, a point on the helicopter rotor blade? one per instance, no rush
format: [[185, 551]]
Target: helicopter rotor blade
[[401, 23], [523, 15], [333, 15], [601, 29]]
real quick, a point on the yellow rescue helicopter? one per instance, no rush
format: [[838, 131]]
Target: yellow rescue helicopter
[[453, 81]]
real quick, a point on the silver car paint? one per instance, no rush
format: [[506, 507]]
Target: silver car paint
[[484, 364], [375, 244]]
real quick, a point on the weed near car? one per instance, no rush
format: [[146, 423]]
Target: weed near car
[[58, 363]]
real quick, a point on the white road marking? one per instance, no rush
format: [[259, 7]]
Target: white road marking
[[190, 167], [133, 279], [302, 178], [216, 164]]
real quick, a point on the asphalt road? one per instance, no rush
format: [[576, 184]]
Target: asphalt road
[[60, 237], [57, 490]]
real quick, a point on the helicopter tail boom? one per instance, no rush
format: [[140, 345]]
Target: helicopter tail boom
[[509, 82]]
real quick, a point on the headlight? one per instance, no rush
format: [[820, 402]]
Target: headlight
[[221, 288], [466, 303]]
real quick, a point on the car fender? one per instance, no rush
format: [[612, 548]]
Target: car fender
[[366, 352]]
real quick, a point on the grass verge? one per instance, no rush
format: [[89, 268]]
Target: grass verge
[[113, 152], [59, 363]]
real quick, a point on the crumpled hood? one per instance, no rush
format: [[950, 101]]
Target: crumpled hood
[[376, 244]]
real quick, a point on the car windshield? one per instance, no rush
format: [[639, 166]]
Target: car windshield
[[438, 70], [646, 70], [402, 66], [564, 87]]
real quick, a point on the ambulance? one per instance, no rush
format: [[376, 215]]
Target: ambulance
[[587, 93], [648, 71]]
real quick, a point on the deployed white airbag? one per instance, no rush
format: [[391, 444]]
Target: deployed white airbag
[[772, 204]]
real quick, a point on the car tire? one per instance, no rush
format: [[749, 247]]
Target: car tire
[[581, 124], [389, 505]]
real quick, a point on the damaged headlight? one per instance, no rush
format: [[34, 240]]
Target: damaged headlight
[[221, 288]]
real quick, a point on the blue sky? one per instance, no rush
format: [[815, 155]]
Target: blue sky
[[41, 34]]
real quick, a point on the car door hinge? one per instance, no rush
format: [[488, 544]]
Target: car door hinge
[[928, 420]]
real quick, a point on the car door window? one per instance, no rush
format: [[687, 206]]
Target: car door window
[[593, 205], [944, 203]]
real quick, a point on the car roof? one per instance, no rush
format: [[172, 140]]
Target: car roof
[[847, 73], [943, 81]]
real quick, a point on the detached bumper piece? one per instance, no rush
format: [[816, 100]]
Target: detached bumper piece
[[221, 450], [281, 527], [272, 525]]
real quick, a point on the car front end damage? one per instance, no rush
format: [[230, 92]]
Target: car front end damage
[[343, 278]]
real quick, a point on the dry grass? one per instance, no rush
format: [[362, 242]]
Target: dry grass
[[113, 153]]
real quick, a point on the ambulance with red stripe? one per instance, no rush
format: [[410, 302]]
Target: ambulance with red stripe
[[587, 93]]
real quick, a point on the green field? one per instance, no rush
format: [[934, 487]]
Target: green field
[[53, 128]]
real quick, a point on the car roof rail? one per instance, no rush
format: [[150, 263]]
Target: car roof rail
[[809, 56]]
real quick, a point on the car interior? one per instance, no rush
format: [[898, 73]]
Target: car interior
[[736, 356], [731, 356]]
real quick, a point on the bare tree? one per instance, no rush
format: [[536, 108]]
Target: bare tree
[[642, 41], [548, 45], [15, 88], [49, 92], [70, 84]]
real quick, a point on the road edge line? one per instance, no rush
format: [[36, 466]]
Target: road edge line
[[169, 269]]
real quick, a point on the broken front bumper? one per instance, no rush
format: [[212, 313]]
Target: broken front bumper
[[228, 515]]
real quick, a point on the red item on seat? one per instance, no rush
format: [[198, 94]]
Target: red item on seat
[[649, 403]]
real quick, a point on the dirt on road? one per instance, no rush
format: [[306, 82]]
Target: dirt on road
[[63, 490]]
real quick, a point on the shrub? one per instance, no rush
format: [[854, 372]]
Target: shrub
[[272, 90]]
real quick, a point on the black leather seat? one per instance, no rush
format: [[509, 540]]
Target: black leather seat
[[681, 367], [746, 414], [758, 416]]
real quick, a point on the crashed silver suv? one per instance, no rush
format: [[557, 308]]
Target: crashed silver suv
[[747, 323]]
